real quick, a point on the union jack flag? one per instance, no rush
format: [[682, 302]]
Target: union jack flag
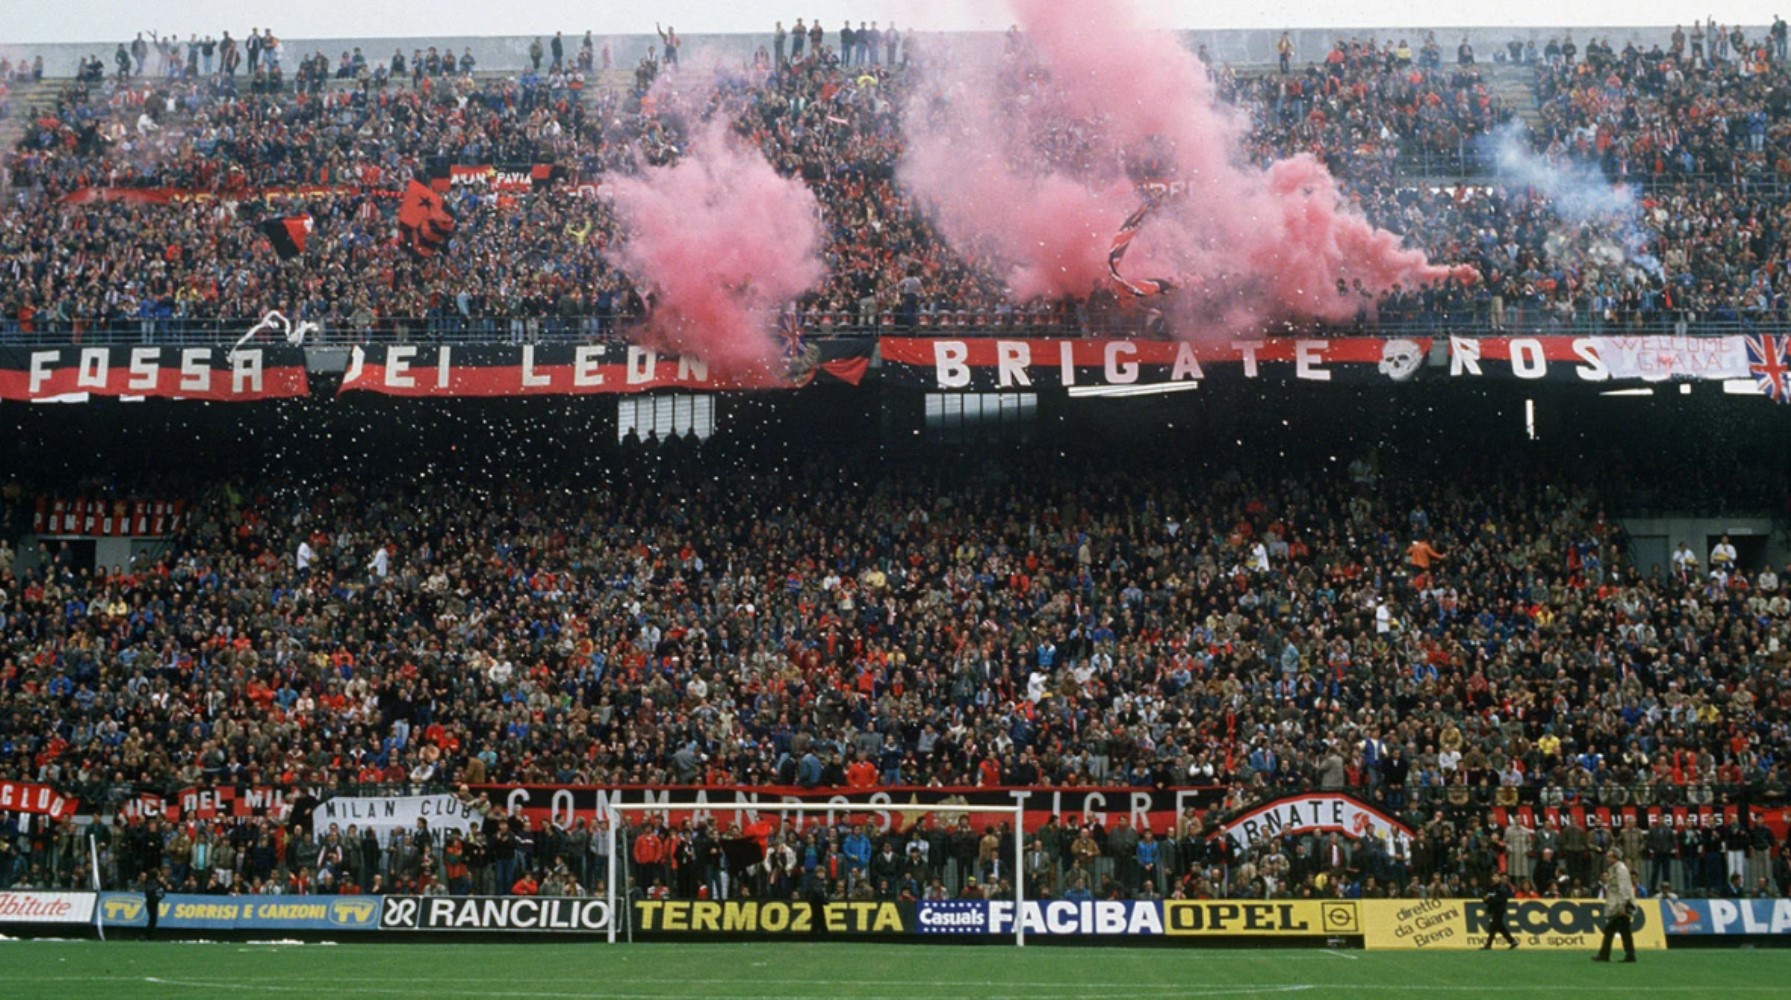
[[1769, 362], [789, 330]]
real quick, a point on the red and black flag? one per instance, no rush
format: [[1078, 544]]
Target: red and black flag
[[288, 235], [425, 220], [1116, 252]]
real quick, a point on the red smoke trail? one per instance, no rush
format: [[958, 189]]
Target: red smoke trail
[[722, 242], [1032, 162]]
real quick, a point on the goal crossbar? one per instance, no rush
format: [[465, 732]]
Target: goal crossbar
[[1017, 811]]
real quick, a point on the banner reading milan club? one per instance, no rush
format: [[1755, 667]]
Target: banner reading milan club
[[216, 374], [1775, 818], [994, 363], [396, 812], [61, 517], [1107, 807], [589, 369], [41, 800]]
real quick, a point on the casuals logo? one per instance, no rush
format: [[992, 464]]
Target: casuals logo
[[952, 916]]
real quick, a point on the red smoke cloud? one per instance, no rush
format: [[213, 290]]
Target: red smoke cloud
[[1031, 163], [721, 242]]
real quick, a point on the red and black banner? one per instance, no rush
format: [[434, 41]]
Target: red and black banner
[[217, 374], [82, 518], [39, 800], [172, 196], [583, 370], [207, 803], [288, 235], [507, 178], [977, 364], [996, 363]]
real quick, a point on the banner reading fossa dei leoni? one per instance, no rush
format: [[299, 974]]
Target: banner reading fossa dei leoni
[[214, 374]]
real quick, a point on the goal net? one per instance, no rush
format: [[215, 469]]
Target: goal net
[[662, 853]]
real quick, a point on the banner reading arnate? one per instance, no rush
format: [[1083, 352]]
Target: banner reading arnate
[[1325, 812], [1442, 924]]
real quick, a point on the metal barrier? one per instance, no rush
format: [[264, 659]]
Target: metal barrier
[[1470, 321]]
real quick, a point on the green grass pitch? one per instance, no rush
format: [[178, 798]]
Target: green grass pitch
[[30, 970]]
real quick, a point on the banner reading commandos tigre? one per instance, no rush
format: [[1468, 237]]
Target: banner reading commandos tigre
[[1153, 808]]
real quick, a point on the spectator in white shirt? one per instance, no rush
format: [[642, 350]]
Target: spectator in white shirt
[[306, 556], [1685, 561], [1259, 557], [1722, 555], [382, 562]]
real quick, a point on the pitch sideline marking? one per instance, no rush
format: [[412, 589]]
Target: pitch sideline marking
[[189, 984]]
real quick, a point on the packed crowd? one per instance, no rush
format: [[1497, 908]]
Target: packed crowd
[[1431, 643], [1696, 127]]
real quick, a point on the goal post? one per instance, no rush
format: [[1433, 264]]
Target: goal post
[[622, 820]]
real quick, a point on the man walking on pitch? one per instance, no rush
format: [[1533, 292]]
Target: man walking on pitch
[[1497, 899], [1619, 908]]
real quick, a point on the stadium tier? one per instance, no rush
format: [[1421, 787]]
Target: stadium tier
[[137, 191], [1337, 504]]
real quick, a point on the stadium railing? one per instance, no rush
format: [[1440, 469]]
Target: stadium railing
[[1467, 322], [44, 849], [108, 799]]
